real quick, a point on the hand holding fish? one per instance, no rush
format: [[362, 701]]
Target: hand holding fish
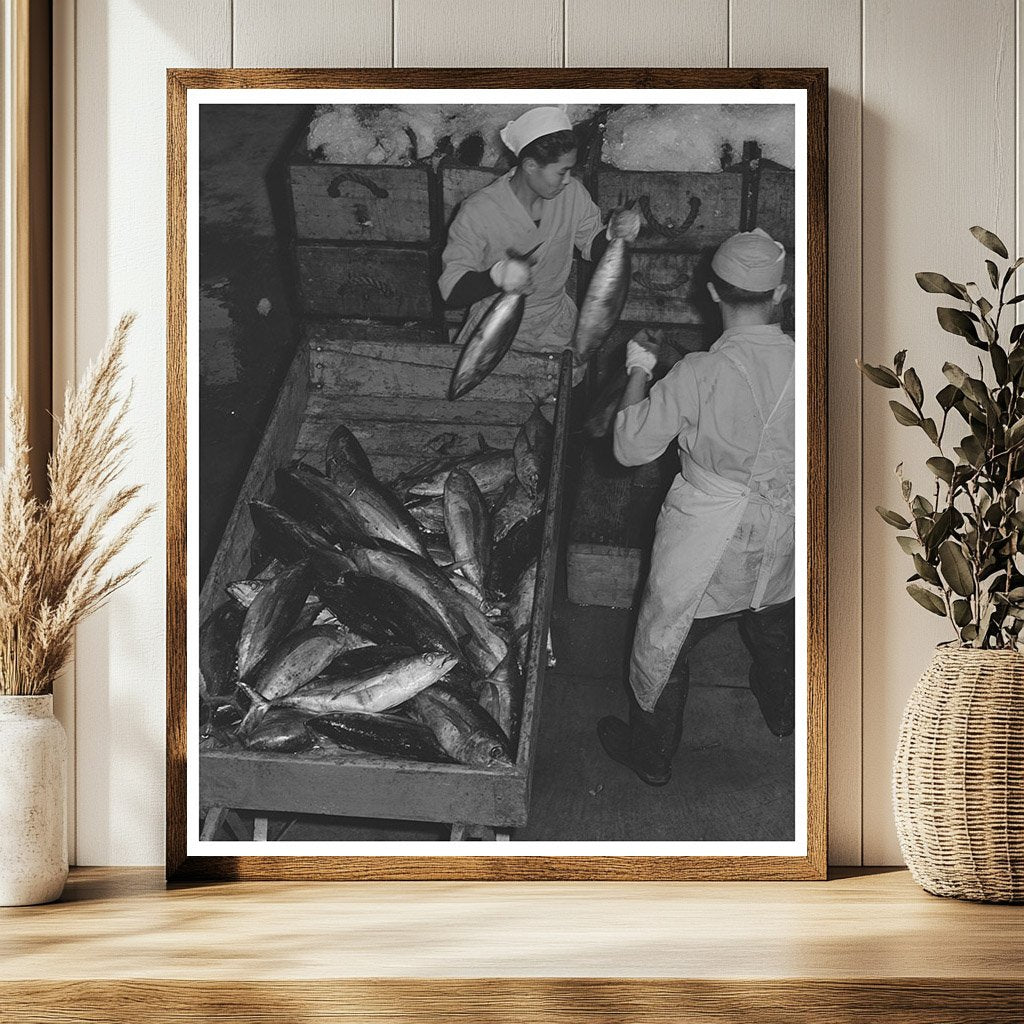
[[513, 275], [624, 224]]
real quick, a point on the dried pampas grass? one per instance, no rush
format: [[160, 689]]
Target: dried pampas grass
[[56, 557]]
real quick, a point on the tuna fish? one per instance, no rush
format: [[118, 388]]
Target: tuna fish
[[464, 730], [514, 506], [272, 614], [601, 414], [375, 690], [302, 657], [502, 697], [379, 513], [521, 602], [218, 647], [429, 513], [281, 730], [468, 526], [284, 537], [293, 540], [387, 735], [408, 616], [606, 295], [514, 553], [532, 451], [487, 344], [342, 445], [324, 502], [491, 469]]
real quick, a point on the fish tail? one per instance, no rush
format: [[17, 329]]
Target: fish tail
[[253, 717]]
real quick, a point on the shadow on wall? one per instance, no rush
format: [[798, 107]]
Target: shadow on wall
[[246, 327]]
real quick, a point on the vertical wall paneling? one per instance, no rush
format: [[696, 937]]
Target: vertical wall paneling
[[64, 141], [647, 33], [312, 33], [939, 156], [122, 53], [466, 33], [805, 33]]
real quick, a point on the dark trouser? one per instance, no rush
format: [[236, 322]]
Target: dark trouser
[[769, 636]]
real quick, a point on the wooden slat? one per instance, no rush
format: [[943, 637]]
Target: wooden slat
[[485, 414], [917, 218], [802, 33], [362, 785], [274, 450], [651, 33], [464, 33], [364, 281], [312, 33], [342, 203], [547, 567], [400, 370], [671, 197], [404, 438]]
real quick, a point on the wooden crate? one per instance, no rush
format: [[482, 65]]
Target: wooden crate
[[665, 288], [366, 281], [689, 211], [600, 574], [360, 204], [390, 391]]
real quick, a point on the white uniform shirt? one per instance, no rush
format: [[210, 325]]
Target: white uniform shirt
[[492, 222], [715, 405]]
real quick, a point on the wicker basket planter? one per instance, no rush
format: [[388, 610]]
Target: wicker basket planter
[[958, 776]]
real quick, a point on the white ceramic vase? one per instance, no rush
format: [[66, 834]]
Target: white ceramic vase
[[33, 804]]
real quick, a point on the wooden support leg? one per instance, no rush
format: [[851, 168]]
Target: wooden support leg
[[212, 822], [259, 829]]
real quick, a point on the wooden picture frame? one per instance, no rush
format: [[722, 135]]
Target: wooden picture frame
[[182, 860]]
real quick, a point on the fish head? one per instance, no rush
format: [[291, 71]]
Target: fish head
[[498, 756], [440, 661]]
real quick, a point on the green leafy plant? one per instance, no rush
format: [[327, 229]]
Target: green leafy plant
[[966, 538]]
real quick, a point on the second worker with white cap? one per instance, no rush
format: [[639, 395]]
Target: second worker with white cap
[[538, 207], [724, 543]]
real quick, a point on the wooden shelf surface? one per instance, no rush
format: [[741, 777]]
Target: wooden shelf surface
[[123, 946]]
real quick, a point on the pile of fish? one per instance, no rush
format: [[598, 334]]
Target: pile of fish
[[392, 619]]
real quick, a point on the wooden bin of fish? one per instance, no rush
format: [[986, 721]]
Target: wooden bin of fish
[[373, 626]]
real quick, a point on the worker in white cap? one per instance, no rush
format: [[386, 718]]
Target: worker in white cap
[[537, 208], [724, 543]]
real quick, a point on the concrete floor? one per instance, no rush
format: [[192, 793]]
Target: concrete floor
[[732, 779]]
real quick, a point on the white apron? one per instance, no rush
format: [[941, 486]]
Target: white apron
[[699, 517]]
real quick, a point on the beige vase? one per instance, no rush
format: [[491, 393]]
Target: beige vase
[[958, 776], [33, 802]]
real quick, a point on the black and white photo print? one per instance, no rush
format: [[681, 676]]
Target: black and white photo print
[[501, 422]]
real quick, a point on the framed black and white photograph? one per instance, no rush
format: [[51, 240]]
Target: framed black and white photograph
[[496, 474]]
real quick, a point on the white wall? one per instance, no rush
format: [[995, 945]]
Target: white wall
[[924, 123]]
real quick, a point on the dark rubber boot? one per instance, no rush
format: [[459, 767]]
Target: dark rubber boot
[[616, 738]]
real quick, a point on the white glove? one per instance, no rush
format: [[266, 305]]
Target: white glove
[[623, 224], [512, 276], [640, 358]]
